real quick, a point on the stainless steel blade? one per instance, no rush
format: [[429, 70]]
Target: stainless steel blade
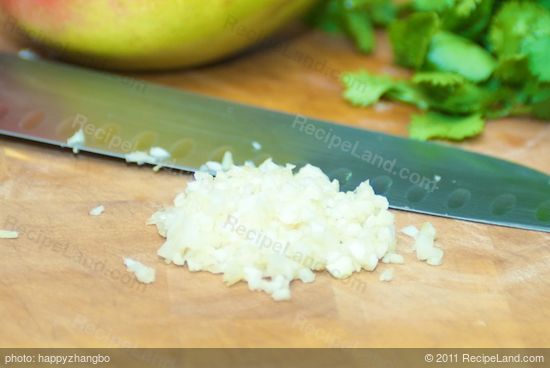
[[48, 102]]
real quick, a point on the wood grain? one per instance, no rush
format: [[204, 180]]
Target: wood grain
[[62, 283]]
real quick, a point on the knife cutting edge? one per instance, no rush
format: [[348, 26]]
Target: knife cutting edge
[[48, 102]]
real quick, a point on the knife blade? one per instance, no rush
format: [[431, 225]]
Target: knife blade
[[48, 102]]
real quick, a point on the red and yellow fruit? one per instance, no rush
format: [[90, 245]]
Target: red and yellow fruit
[[150, 34]]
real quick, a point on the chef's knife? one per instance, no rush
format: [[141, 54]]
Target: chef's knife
[[48, 102]]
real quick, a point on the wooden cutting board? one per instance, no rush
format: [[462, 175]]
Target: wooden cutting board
[[62, 283]]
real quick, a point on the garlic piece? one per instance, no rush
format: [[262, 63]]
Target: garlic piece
[[425, 248], [410, 230], [76, 141], [96, 211], [7, 234], [386, 275], [143, 273]]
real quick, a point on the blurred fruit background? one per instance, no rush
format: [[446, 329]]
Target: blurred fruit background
[[149, 34]]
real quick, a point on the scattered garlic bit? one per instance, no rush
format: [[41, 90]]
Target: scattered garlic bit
[[97, 210], [227, 161], [425, 248], [159, 154], [393, 258], [143, 273], [211, 167], [7, 234], [410, 230], [481, 323], [268, 226], [139, 157], [215, 167], [256, 145], [386, 275], [156, 156], [77, 140], [437, 178]]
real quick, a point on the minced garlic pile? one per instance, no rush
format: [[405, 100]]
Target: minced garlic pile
[[268, 226]]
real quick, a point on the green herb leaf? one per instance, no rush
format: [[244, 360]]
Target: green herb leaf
[[513, 69], [464, 99], [539, 97], [442, 79], [382, 12], [327, 16], [432, 5], [404, 91], [468, 18], [359, 28], [451, 53], [500, 100], [435, 125], [411, 37], [451, 43], [538, 52], [364, 89], [515, 23], [541, 109], [449, 92], [465, 8]]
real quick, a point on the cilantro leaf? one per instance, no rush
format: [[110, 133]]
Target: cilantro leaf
[[541, 109], [499, 100], [466, 98], [452, 53], [403, 91], [465, 8], [514, 23], [522, 30], [468, 18], [474, 59], [449, 92], [432, 5], [383, 12], [411, 37], [359, 27], [327, 16], [438, 79], [539, 98], [435, 125], [364, 89], [356, 4], [538, 52], [332, 15], [513, 69]]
